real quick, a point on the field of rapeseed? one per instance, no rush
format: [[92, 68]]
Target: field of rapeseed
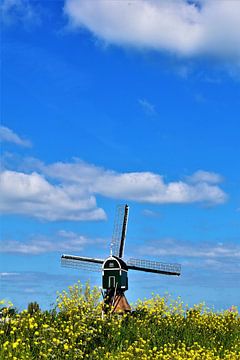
[[159, 328]]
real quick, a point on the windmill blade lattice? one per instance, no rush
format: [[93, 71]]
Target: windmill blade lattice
[[154, 267], [119, 230], [77, 262]]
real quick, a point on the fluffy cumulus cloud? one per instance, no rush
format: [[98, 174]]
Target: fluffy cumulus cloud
[[151, 188], [146, 187], [8, 135], [68, 190], [179, 26], [31, 194]]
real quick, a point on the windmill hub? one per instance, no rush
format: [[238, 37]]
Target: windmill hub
[[115, 269]]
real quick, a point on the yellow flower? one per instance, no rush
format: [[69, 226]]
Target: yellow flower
[[15, 344]]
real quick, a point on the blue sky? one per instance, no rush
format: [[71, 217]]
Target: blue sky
[[110, 102]]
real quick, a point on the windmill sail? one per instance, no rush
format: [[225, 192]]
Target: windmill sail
[[81, 262], [154, 267], [119, 231]]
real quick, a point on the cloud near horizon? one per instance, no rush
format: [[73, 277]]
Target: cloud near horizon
[[68, 191], [218, 256], [171, 247], [178, 26]]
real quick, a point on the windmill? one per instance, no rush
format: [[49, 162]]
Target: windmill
[[115, 269]]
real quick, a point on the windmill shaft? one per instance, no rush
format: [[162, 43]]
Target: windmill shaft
[[82, 258], [124, 229], [155, 271]]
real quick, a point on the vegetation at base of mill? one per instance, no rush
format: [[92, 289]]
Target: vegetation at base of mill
[[159, 328]]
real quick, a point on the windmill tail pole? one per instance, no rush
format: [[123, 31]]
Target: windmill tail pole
[[124, 230]]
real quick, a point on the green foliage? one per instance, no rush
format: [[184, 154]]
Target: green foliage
[[158, 328], [33, 307]]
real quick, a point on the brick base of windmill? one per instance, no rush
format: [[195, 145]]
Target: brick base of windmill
[[116, 302]]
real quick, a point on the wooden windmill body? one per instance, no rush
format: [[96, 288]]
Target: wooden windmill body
[[115, 269]]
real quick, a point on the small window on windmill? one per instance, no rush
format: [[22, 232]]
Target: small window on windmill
[[111, 264]]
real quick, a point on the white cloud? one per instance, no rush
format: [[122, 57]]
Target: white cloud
[[150, 188], [171, 247], [151, 213], [205, 176], [32, 195], [177, 26], [63, 241], [7, 135], [147, 106], [146, 187], [8, 274], [18, 11], [207, 256], [68, 191]]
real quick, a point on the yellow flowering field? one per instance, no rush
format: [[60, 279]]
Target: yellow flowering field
[[159, 328]]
